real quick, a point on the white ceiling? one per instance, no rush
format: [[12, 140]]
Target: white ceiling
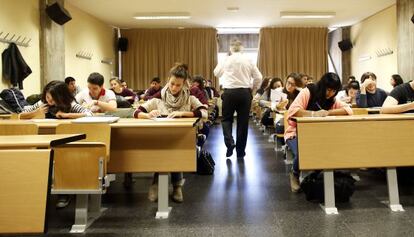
[[213, 13]]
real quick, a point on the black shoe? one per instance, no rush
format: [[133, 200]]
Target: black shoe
[[230, 150]]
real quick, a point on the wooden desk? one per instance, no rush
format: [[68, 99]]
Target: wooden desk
[[374, 110], [5, 116], [143, 145], [372, 141], [39, 141], [26, 180]]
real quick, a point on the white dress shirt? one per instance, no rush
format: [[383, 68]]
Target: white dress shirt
[[237, 71]]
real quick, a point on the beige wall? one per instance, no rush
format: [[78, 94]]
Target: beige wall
[[85, 32], [21, 17], [376, 32]]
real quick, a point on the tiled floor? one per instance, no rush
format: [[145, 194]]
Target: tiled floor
[[245, 199]]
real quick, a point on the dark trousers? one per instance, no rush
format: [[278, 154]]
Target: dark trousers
[[236, 100]]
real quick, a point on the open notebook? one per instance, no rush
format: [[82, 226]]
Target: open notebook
[[96, 119]]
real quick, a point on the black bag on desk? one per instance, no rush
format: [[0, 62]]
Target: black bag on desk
[[205, 163], [14, 98], [312, 186]]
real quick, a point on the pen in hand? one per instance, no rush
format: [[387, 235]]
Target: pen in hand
[[319, 107]]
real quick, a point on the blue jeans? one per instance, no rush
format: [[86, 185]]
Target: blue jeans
[[293, 145]]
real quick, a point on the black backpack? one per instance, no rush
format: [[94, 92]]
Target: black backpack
[[205, 163], [267, 118], [14, 98], [312, 186], [5, 108]]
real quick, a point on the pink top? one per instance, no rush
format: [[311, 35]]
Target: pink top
[[301, 102]]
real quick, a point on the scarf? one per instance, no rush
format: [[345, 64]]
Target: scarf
[[175, 103]]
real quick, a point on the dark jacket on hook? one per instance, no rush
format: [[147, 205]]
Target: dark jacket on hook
[[15, 68]]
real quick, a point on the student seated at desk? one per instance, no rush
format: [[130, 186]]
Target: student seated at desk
[[123, 93], [272, 99], [396, 80], [349, 94], [212, 93], [197, 89], [317, 100], [293, 81], [262, 88], [400, 100], [370, 95], [175, 102], [304, 79], [97, 98], [56, 102], [73, 88], [154, 89]]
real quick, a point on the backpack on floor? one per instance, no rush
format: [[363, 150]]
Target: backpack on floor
[[312, 186], [267, 118], [205, 163], [14, 98]]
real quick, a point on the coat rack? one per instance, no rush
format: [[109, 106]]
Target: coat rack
[[107, 61], [84, 54], [384, 52], [17, 41]]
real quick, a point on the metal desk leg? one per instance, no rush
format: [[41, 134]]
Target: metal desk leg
[[95, 207], [81, 214], [86, 213], [329, 191], [393, 195], [163, 208]]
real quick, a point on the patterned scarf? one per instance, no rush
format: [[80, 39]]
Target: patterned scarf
[[175, 103]]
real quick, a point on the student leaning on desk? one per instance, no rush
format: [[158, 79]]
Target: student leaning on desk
[[316, 100], [400, 100], [56, 102], [175, 102]]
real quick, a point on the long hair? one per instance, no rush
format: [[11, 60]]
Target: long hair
[[318, 92], [270, 85], [398, 80], [60, 94]]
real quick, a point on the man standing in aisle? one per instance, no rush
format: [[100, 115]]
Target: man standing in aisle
[[238, 76]]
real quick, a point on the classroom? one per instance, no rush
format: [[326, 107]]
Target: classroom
[[207, 118]]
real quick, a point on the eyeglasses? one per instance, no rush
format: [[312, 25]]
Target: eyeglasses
[[290, 83]]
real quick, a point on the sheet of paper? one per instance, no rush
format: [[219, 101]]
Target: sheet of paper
[[95, 119], [43, 120], [163, 119]]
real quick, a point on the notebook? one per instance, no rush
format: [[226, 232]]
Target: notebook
[[96, 119]]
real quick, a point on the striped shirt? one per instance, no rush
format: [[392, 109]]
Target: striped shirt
[[75, 108]]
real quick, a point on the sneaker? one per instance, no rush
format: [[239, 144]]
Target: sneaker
[[230, 150], [63, 201], [177, 195], [153, 193], [294, 183]]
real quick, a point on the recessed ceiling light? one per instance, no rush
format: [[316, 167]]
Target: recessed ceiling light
[[163, 16], [233, 9], [302, 15]]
